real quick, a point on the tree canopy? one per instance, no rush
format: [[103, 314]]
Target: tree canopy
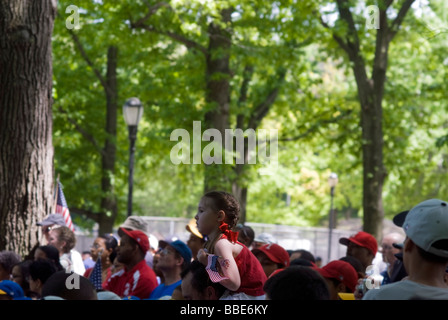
[[280, 67]]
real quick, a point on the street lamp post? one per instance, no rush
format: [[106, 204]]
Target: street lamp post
[[332, 181], [132, 112]]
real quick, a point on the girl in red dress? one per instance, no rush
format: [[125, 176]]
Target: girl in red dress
[[240, 271]]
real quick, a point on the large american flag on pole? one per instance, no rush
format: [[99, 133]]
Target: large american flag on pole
[[62, 208]]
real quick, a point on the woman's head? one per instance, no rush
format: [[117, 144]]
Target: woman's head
[[63, 239], [48, 252], [40, 270], [105, 245]]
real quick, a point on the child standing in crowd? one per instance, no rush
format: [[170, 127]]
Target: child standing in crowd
[[218, 213]]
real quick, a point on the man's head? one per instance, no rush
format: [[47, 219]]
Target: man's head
[[69, 286], [196, 240], [175, 255], [54, 219], [426, 226], [296, 283], [341, 277], [133, 246], [134, 223], [362, 246], [272, 257], [387, 247], [196, 284]]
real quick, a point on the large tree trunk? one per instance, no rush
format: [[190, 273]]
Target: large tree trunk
[[26, 149]]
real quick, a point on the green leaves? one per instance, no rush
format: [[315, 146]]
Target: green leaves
[[316, 110]]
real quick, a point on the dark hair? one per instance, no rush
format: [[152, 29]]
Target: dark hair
[[246, 232], [52, 253], [226, 202], [305, 254], [430, 257], [56, 285], [297, 283], [42, 269], [356, 264], [111, 243], [301, 262], [200, 279], [25, 272]]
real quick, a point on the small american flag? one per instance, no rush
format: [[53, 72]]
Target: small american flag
[[62, 208], [214, 268], [95, 276]]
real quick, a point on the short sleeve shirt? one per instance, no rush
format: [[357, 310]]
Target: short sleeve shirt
[[140, 281]]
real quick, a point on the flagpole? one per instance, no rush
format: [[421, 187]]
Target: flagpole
[[56, 195]]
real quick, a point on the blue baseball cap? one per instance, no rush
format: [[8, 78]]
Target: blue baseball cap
[[12, 289], [180, 247]]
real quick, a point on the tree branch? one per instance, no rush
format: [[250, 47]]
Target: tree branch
[[86, 58], [140, 23], [399, 18], [352, 39], [247, 76], [263, 108]]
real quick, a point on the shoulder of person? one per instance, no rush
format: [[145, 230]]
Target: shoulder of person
[[223, 245]]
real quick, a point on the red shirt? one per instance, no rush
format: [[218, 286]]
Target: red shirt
[[140, 281]]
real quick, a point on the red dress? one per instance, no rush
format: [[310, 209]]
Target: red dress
[[251, 272]]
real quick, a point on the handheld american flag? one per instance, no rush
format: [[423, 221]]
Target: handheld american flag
[[95, 276], [62, 208], [214, 268]]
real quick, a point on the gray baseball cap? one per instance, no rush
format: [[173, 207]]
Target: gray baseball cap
[[54, 218], [427, 223]]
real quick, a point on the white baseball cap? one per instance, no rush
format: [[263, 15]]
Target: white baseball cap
[[427, 223]]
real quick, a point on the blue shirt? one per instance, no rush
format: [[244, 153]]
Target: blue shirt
[[163, 290]]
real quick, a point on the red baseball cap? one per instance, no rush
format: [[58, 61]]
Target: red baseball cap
[[275, 253], [342, 271], [362, 239], [139, 236]]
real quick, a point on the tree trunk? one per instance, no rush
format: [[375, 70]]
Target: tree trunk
[[217, 176], [26, 148], [109, 200], [370, 93]]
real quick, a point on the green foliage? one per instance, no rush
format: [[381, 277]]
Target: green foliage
[[316, 112]]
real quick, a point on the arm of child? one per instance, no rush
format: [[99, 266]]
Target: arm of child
[[224, 249]]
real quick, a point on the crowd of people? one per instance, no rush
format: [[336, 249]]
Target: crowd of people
[[224, 260]]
